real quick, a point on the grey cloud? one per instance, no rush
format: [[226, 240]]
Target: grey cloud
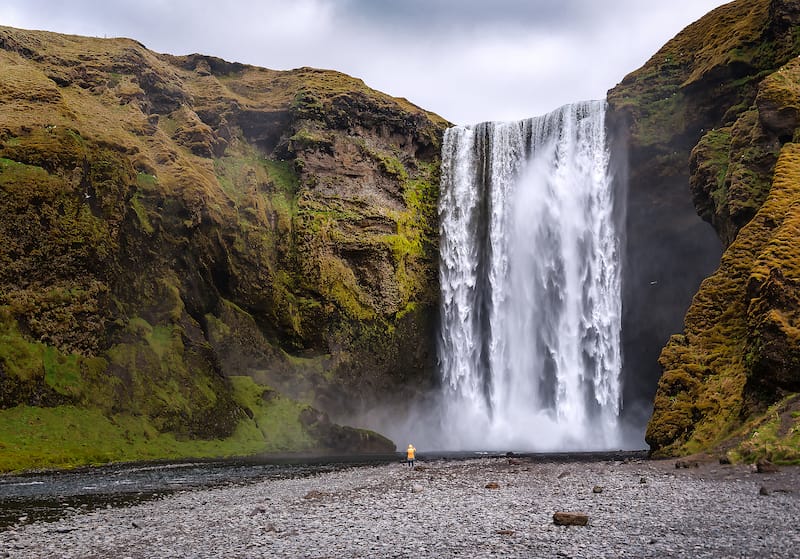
[[468, 60]]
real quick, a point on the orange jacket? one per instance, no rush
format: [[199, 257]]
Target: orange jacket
[[410, 452]]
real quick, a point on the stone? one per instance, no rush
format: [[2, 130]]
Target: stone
[[763, 491], [416, 488], [686, 464], [766, 467], [492, 485], [514, 461], [597, 489], [570, 519], [642, 480], [313, 494], [505, 532]]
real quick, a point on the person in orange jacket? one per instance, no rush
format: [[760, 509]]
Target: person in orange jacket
[[410, 455]]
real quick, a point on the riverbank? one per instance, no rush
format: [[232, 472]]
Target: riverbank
[[475, 508]]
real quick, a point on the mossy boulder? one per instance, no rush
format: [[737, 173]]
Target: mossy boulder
[[172, 224]]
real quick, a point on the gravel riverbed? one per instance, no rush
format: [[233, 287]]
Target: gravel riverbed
[[636, 508]]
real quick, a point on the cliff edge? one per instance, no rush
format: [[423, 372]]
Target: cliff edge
[[723, 97], [200, 258]]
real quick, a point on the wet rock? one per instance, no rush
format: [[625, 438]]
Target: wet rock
[[686, 464], [597, 489], [505, 532], [570, 519], [642, 480], [492, 485], [763, 491], [420, 468], [766, 467], [562, 475]]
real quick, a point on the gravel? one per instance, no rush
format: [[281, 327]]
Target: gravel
[[445, 509]]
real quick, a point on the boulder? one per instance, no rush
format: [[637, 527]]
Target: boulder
[[766, 467], [570, 519]]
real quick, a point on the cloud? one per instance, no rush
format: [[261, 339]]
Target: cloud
[[468, 60]]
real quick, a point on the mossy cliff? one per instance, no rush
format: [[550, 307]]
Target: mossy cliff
[[200, 257], [717, 108]]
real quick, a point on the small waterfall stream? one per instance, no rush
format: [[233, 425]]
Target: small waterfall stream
[[530, 278]]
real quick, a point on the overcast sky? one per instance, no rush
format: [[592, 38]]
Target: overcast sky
[[468, 60]]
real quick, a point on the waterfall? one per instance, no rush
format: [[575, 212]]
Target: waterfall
[[529, 345]]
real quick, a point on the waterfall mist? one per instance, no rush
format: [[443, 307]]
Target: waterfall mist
[[529, 345]]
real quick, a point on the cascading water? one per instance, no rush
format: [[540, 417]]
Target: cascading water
[[530, 279]]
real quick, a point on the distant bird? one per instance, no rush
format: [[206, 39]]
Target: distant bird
[[653, 282]]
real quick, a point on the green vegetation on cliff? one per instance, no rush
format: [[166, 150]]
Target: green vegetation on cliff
[[726, 89], [196, 256]]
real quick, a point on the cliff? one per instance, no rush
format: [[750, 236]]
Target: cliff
[[714, 115], [201, 258]]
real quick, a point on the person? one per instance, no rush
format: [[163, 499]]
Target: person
[[410, 455]]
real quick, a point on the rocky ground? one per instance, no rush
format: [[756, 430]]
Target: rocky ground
[[491, 507]]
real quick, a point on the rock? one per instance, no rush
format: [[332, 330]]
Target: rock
[[724, 460], [505, 532], [136, 524], [763, 491], [570, 519], [492, 485], [597, 489], [686, 464], [642, 480], [416, 488], [766, 467], [562, 475], [514, 461], [420, 468], [313, 494], [262, 510]]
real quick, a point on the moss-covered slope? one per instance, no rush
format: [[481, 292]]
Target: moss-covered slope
[[723, 95], [197, 255]]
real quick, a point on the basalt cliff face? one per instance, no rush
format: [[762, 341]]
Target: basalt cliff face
[[200, 257], [714, 116]]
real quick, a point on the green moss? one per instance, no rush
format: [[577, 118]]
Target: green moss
[[277, 417], [774, 435], [19, 358], [62, 372], [146, 181], [725, 328], [141, 214], [305, 139]]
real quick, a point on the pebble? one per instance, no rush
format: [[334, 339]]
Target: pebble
[[370, 512]]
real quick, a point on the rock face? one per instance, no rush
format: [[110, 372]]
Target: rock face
[[197, 249], [722, 96]]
